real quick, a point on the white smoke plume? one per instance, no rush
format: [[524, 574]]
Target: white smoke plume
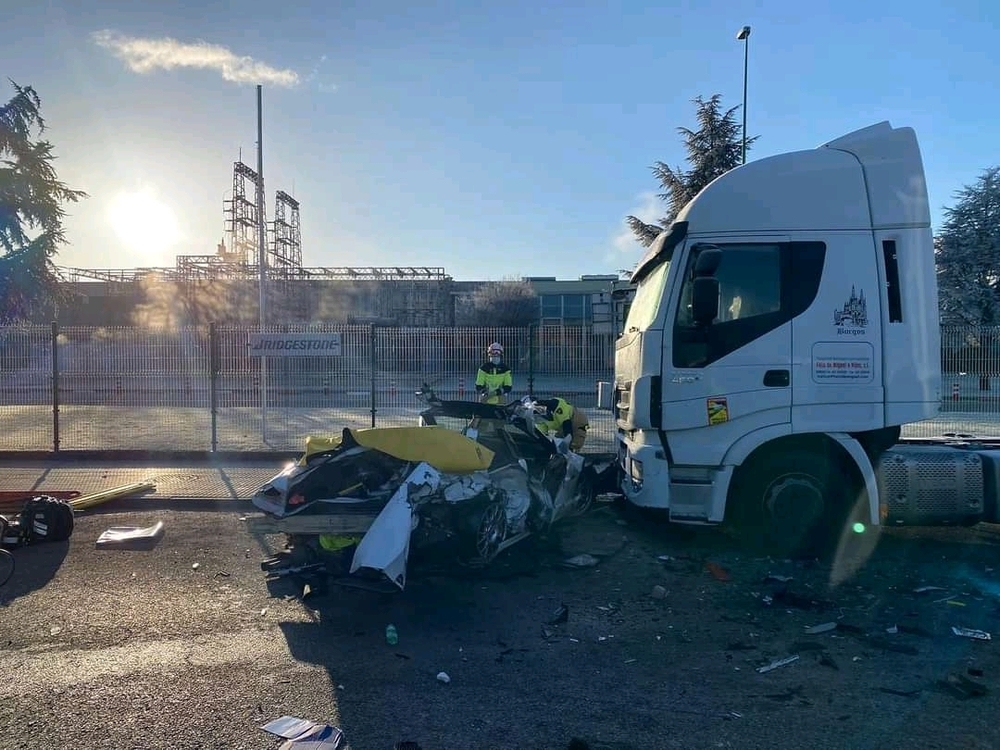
[[143, 55]]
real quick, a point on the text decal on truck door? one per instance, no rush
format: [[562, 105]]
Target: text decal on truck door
[[852, 318]]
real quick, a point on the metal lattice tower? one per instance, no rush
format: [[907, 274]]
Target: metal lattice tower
[[286, 235], [241, 215]]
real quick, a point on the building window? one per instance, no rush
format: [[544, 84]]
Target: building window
[[551, 307], [574, 309]]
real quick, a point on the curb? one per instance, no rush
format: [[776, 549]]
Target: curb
[[200, 458]]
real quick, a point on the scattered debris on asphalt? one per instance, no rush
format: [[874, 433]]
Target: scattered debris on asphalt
[[772, 578], [443, 677], [560, 616], [581, 561], [778, 663], [826, 627], [717, 571], [978, 635]]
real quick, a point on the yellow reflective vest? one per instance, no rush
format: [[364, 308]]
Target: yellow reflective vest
[[492, 378], [561, 412]]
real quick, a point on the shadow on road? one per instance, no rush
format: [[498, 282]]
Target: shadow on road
[[444, 617], [34, 566], [488, 631]]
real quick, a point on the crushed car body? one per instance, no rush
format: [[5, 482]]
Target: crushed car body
[[480, 488]]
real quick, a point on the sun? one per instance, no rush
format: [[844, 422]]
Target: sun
[[144, 224]]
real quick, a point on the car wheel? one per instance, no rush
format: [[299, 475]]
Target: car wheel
[[492, 531], [586, 492]]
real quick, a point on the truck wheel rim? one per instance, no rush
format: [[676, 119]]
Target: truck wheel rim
[[795, 498]]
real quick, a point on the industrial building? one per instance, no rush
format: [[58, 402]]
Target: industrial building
[[225, 288]]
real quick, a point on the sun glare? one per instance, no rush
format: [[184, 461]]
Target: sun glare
[[144, 224]]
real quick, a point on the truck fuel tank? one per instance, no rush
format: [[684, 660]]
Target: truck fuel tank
[[991, 483], [932, 485]]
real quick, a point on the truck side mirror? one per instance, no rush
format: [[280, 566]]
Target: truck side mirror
[[704, 300], [708, 260]]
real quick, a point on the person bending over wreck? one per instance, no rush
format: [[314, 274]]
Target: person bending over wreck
[[561, 417]]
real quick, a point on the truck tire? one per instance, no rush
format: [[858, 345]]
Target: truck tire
[[792, 503]]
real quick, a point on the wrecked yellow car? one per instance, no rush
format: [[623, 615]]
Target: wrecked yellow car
[[477, 489]]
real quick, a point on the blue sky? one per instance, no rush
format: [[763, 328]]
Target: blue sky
[[493, 140]]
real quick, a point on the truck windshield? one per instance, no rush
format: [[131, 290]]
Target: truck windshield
[[647, 299]]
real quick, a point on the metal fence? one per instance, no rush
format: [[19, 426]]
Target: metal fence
[[206, 389]]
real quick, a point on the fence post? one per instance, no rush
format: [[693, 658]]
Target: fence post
[[55, 387], [373, 365], [531, 360], [213, 375]]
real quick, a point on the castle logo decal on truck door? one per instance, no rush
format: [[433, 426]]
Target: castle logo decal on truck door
[[852, 318]]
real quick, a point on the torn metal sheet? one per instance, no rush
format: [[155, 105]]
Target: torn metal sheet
[[462, 488], [386, 546]]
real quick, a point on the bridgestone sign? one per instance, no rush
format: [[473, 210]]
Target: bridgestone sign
[[295, 344]]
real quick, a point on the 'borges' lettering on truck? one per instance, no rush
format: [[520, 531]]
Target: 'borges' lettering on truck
[[295, 344]]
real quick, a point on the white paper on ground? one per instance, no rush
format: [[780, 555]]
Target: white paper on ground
[[122, 534], [289, 727], [320, 737]]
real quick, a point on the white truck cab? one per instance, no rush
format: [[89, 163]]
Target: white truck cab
[[783, 328]]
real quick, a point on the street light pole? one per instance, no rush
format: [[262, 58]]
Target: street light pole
[[261, 260], [261, 228], [744, 36]]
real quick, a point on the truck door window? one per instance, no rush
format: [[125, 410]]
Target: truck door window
[[761, 287]]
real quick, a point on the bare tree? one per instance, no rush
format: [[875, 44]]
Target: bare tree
[[509, 303]]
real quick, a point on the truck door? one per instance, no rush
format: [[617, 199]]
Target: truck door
[[733, 376], [837, 343]]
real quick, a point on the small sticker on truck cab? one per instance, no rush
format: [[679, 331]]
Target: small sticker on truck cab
[[718, 410]]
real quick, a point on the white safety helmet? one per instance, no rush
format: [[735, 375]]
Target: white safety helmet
[[494, 350]]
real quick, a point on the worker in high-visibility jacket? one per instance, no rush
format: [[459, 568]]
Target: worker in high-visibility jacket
[[561, 417], [494, 379]]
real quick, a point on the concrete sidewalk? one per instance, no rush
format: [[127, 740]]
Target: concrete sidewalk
[[200, 482]]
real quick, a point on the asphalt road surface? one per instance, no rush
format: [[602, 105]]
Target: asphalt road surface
[[114, 649]]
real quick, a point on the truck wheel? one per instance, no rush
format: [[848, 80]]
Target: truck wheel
[[792, 504]]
